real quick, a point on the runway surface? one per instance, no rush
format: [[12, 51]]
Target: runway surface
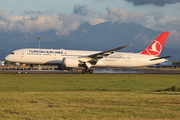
[[96, 71]]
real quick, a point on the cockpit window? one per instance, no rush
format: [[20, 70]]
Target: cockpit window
[[12, 53]]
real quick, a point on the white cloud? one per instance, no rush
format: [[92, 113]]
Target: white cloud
[[3, 16], [167, 25], [97, 21], [62, 23], [175, 36], [173, 39], [158, 15], [171, 26], [120, 15], [69, 23]]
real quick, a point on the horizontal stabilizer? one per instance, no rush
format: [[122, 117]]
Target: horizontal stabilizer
[[160, 58]]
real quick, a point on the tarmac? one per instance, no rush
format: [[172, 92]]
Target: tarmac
[[96, 71]]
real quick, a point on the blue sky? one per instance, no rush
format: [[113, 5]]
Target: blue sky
[[17, 7], [29, 16]]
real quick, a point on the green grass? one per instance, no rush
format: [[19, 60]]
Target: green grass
[[85, 97], [95, 82]]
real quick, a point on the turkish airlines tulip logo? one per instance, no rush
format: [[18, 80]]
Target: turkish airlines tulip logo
[[155, 48]]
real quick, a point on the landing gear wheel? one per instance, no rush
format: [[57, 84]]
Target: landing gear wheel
[[83, 71], [87, 71], [91, 71]]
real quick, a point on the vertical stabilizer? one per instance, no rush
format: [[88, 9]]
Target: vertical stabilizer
[[156, 46]]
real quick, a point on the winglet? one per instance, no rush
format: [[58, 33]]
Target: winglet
[[156, 46]]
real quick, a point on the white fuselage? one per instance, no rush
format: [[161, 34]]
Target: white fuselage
[[55, 57]]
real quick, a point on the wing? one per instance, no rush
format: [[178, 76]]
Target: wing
[[93, 58]]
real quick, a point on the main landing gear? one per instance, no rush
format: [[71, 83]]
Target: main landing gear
[[87, 68], [90, 71]]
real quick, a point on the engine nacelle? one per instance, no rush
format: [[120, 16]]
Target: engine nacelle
[[70, 62]]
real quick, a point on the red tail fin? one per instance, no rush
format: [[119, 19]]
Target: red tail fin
[[156, 46]]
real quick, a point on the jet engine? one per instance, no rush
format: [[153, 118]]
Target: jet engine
[[70, 62]]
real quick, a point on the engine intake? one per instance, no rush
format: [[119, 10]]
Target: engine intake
[[70, 62]]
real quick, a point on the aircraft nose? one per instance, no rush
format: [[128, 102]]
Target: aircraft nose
[[7, 58]]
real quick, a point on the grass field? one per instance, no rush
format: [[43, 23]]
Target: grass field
[[88, 97]]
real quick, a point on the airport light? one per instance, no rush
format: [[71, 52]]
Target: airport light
[[39, 38]]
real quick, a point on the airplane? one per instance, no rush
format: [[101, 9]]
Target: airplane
[[164, 64], [69, 59]]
